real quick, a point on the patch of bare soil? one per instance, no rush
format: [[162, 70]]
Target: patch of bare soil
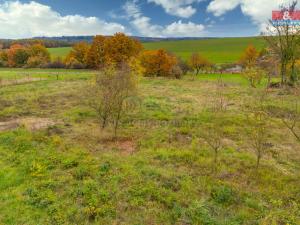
[[124, 146], [10, 125], [34, 124], [90, 136], [127, 147], [19, 81], [30, 123]]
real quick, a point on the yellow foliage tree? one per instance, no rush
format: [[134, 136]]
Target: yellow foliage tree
[[96, 53], [197, 62], [249, 57], [3, 58], [38, 55], [78, 55], [254, 75], [39, 50]]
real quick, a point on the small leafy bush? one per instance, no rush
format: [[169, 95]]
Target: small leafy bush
[[254, 76], [40, 198], [222, 194], [105, 168], [81, 172], [198, 213], [70, 163], [37, 169]]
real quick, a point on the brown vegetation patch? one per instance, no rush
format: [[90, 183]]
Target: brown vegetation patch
[[182, 138], [19, 81], [91, 136], [30, 123]]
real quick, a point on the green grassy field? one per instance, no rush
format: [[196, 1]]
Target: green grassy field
[[158, 171], [223, 50]]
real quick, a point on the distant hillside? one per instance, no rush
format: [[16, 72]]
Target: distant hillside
[[74, 39]]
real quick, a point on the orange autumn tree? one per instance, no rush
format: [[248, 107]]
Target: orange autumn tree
[[77, 58], [198, 62], [115, 50], [17, 56], [249, 57], [158, 63], [96, 53], [120, 49]]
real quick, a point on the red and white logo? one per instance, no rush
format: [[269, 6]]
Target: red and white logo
[[285, 15]]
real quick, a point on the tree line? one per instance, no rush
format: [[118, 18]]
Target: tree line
[[48, 43], [106, 51], [30, 56]]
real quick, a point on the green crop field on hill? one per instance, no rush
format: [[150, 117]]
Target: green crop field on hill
[[59, 52], [221, 50]]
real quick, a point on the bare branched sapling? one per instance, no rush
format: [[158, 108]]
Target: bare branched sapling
[[125, 95], [291, 121], [259, 121], [259, 136], [112, 94], [220, 100], [213, 136]]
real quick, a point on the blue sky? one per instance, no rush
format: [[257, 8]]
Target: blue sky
[[156, 18]]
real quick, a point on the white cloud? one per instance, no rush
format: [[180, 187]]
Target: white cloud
[[144, 26], [181, 8], [184, 29], [132, 9], [24, 20], [219, 7], [260, 11]]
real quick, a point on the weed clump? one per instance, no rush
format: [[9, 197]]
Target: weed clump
[[223, 195]]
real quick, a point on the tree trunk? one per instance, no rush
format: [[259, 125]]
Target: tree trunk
[[295, 134], [258, 160], [104, 123], [216, 157], [117, 123], [282, 73], [269, 80]]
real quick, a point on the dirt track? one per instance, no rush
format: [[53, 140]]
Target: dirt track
[[19, 81]]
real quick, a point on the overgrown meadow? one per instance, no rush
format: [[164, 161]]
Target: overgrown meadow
[[59, 167]]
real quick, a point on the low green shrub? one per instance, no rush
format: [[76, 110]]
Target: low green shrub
[[223, 194]]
